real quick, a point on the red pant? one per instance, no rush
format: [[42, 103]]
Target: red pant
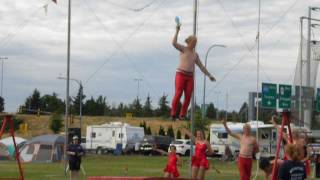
[[245, 167], [183, 84]]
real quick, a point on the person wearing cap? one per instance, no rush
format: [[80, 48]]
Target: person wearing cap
[[75, 151]]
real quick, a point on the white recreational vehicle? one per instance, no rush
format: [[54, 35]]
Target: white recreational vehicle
[[219, 138], [106, 137]]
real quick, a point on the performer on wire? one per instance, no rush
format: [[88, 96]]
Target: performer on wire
[[171, 170], [185, 73], [248, 147], [200, 163]]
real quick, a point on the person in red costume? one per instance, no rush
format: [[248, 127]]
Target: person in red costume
[[171, 170], [248, 147], [200, 163], [184, 73]]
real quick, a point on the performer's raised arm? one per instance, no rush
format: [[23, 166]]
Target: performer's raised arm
[[237, 136], [204, 69], [193, 139], [175, 40]]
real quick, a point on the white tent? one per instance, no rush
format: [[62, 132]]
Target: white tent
[[8, 140], [4, 153], [45, 148]]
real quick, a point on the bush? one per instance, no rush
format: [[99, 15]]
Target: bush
[[56, 122]]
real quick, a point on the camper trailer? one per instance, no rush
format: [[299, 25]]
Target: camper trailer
[[219, 138], [109, 137]]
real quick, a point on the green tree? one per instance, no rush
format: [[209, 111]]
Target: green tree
[[77, 100], [33, 102], [1, 104], [170, 131], [136, 107], [149, 131], [178, 134], [147, 108], [144, 125], [56, 122], [161, 131], [211, 111], [51, 103], [164, 109]]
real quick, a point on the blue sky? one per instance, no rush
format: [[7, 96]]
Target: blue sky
[[120, 44]]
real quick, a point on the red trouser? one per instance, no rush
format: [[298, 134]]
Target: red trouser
[[183, 84], [245, 166]]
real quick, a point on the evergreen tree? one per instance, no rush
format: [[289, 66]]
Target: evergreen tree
[[170, 131], [211, 111], [77, 100], [161, 131], [164, 109], [149, 131], [33, 102], [1, 104], [137, 108], [147, 108], [178, 134]]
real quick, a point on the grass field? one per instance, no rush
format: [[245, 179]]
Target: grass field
[[115, 166]]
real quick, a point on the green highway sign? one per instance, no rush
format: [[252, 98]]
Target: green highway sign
[[269, 95], [285, 96], [318, 100]]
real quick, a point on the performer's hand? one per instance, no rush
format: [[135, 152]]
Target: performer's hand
[[273, 119], [212, 78], [178, 28]]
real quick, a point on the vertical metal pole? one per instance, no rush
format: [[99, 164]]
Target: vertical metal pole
[[204, 90], [309, 49], [67, 89], [80, 110], [195, 8], [301, 64], [1, 77], [258, 80], [227, 99], [217, 113]]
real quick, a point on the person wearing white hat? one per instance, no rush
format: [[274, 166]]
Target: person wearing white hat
[[75, 152]]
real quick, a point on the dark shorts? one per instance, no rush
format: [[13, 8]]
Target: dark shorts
[[74, 165]]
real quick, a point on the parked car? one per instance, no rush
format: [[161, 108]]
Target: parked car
[[150, 142], [183, 146]]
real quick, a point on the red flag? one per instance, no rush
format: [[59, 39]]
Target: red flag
[[55, 1]]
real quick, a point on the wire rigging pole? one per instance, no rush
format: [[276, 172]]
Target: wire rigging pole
[[195, 8], [258, 79], [67, 89]]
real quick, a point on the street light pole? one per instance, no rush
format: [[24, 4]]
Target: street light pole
[[138, 80], [204, 79], [81, 95]]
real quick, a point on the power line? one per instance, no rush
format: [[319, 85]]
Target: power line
[[239, 33], [19, 28], [120, 45], [250, 49], [132, 9]]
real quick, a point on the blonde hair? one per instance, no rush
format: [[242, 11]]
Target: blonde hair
[[190, 38], [293, 151]]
